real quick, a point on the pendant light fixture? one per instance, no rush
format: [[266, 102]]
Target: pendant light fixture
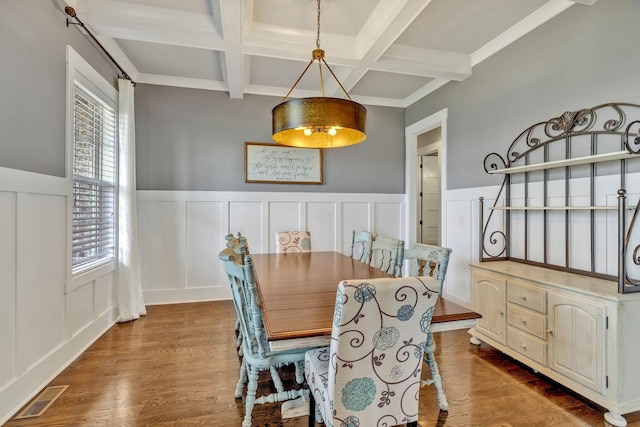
[[319, 122]]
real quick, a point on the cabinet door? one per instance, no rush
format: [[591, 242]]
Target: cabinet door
[[576, 339], [489, 299]]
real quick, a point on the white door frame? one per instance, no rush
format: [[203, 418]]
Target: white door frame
[[411, 133]]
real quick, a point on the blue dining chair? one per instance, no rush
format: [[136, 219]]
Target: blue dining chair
[[370, 374], [256, 354], [240, 246], [361, 243], [387, 255], [430, 260]]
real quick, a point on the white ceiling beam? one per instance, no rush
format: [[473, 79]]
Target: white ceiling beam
[[136, 14], [299, 43], [156, 79], [154, 25], [282, 52], [168, 36], [585, 2], [231, 16], [387, 23], [424, 62]]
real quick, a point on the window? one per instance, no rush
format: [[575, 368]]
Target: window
[[94, 181]]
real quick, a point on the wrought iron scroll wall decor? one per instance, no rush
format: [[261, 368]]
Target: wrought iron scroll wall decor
[[555, 155]]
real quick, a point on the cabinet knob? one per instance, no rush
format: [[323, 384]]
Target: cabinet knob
[[524, 322], [524, 347], [524, 298], [501, 312], [549, 331]]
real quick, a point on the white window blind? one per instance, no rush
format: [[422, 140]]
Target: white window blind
[[94, 181]]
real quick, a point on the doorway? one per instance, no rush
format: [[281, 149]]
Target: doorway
[[413, 183], [428, 206]]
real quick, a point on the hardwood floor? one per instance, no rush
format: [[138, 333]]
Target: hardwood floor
[[178, 366]]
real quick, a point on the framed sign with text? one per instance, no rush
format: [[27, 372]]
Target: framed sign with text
[[271, 163]]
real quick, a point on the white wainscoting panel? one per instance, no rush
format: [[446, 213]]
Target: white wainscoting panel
[[80, 311], [355, 216], [162, 227], [383, 212], [181, 233], [246, 217], [41, 271], [7, 287], [104, 295], [203, 234], [322, 223], [458, 231]]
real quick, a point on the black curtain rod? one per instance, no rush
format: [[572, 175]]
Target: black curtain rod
[[72, 13]]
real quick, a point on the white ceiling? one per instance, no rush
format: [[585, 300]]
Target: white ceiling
[[385, 52]]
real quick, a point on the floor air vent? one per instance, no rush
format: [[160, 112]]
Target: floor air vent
[[42, 402]]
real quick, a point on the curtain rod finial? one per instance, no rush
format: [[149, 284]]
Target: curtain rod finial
[[70, 11]]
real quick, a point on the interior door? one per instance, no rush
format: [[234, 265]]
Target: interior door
[[429, 196]]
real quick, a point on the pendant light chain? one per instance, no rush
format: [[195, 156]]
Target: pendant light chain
[[318, 47], [318, 27]]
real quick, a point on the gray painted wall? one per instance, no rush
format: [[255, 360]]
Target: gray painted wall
[[188, 139], [33, 39], [584, 57]]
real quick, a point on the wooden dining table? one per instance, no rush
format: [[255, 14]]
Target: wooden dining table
[[298, 291]]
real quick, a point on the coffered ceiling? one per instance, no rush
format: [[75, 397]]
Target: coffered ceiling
[[384, 52]]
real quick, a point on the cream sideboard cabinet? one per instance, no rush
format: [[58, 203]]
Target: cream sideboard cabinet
[[576, 330]]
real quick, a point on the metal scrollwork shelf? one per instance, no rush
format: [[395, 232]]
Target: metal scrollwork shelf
[[545, 164]]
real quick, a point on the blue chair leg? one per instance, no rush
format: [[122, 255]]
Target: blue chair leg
[[244, 378], [251, 396]]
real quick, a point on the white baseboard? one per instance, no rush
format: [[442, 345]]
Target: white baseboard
[[177, 296]]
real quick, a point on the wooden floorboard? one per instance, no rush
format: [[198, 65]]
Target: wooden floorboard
[[178, 366]]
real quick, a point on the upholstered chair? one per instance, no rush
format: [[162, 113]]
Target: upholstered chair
[[256, 354], [387, 255], [370, 374], [429, 260], [361, 245], [293, 241]]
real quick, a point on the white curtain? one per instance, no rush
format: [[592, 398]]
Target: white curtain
[[129, 289]]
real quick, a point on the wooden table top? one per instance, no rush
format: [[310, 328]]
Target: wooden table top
[[298, 292]]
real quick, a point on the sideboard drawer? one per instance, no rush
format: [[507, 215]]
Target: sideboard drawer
[[527, 321], [527, 345], [532, 298]]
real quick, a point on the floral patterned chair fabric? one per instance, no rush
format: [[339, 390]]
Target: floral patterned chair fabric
[[361, 245], [387, 255], [370, 374], [293, 241], [256, 355], [429, 260]]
